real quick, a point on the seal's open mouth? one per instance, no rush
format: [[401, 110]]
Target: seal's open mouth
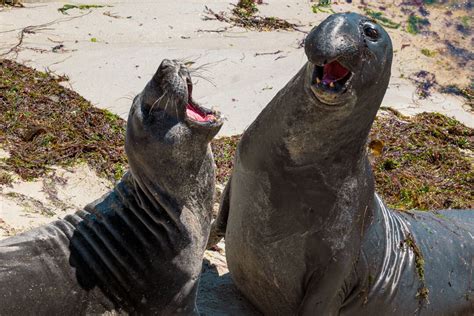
[[196, 113], [330, 81], [332, 76]]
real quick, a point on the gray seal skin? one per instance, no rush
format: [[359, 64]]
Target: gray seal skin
[[305, 233], [139, 248]]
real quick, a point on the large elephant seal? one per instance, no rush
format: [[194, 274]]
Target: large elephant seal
[[140, 247], [305, 233]]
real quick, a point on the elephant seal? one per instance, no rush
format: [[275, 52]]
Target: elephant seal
[[305, 233], [139, 248]]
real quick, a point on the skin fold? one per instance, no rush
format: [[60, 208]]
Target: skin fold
[[305, 232], [139, 248]]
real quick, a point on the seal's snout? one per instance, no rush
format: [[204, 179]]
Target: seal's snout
[[170, 95], [343, 49], [336, 38]]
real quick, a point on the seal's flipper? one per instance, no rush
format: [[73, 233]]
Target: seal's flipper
[[219, 226]]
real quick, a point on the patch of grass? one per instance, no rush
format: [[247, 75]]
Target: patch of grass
[[415, 24], [422, 165], [428, 53], [384, 21], [43, 123], [67, 7]]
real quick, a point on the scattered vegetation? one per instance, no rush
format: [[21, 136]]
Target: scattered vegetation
[[245, 15], [5, 178], [68, 7], [13, 3], [245, 8], [380, 18], [43, 123], [423, 291], [467, 93], [224, 151], [323, 6], [428, 53], [425, 82], [426, 163], [416, 24]]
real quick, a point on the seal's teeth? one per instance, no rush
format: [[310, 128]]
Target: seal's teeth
[[318, 81], [331, 84]]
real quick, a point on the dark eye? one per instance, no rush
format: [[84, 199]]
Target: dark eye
[[371, 32]]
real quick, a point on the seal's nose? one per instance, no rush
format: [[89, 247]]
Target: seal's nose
[[336, 38]]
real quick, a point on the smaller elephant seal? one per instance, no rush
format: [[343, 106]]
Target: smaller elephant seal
[[139, 248], [305, 232]]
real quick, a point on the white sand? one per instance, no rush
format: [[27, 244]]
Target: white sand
[[112, 70]]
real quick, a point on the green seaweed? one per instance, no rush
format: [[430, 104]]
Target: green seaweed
[[384, 21], [323, 6], [428, 53], [43, 124], [423, 291], [67, 7], [415, 24]]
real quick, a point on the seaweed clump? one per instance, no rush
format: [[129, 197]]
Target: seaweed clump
[[426, 162], [423, 291], [224, 149], [425, 82], [415, 24], [245, 15], [384, 21], [43, 123]]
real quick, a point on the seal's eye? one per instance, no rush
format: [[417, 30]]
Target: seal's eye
[[371, 32]]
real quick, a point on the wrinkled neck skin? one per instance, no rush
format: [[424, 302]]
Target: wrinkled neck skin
[[322, 135], [167, 158], [309, 135]]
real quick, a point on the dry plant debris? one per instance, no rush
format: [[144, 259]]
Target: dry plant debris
[[43, 123], [244, 14], [426, 163]]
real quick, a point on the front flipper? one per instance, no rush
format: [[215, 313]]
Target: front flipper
[[327, 287], [219, 226]]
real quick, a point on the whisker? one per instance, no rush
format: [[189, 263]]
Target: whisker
[[206, 79], [166, 106], [157, 100], [176, 108]]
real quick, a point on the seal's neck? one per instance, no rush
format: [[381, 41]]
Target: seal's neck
[[320, 134]]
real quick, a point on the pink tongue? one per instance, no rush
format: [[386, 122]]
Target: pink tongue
[[334, 71], [197, 115]]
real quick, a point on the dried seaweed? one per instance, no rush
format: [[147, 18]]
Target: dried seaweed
[[43, 123], [246, 17]]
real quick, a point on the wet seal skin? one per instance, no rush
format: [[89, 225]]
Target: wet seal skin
[[305, 232], [139, 248]]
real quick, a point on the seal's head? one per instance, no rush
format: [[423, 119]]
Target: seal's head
[[166, 127], [349, 54]]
